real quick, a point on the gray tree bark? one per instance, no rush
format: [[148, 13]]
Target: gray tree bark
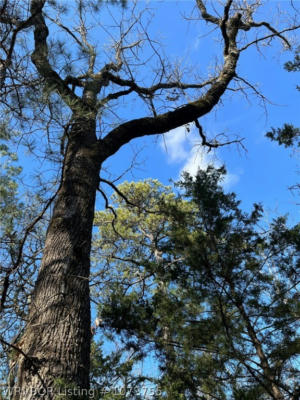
[[57, 338]]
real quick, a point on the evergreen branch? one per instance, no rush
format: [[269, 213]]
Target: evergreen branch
[[20, 25]]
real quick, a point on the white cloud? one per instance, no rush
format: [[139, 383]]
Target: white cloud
[[197, 159], [175, 144], [184, 147], [230, 180]]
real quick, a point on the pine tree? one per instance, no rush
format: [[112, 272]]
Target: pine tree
[[59, 99], [197, 281]]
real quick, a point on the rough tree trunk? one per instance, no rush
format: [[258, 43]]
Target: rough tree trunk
[[57, 337]]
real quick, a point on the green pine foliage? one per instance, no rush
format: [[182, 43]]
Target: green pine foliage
[[288, 135], [205, 287], [293, 66]]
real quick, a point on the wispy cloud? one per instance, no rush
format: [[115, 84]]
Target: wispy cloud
[[175, 143], [197, 159], [183, 147]]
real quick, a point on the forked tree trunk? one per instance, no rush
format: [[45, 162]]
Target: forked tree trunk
[[57, 337]]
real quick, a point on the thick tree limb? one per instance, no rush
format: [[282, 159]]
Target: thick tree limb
[[205, 15], [40, 59], [223, 26], [162, 123], [113, 96], [170, 120]]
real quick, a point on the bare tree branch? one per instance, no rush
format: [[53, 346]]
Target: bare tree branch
[[115, 188], [293, 28], [152, 89], [215, 144], [273, 30], [108, 207]]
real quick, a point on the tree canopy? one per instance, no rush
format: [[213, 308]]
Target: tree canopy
[[78, 82], [208, 288]]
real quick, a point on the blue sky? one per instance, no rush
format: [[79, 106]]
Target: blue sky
[[265, 171], [261, 174]]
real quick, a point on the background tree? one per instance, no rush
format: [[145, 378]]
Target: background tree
[[288, 135], [71, 100], [201, 284], [23, 210], [22, 235]]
